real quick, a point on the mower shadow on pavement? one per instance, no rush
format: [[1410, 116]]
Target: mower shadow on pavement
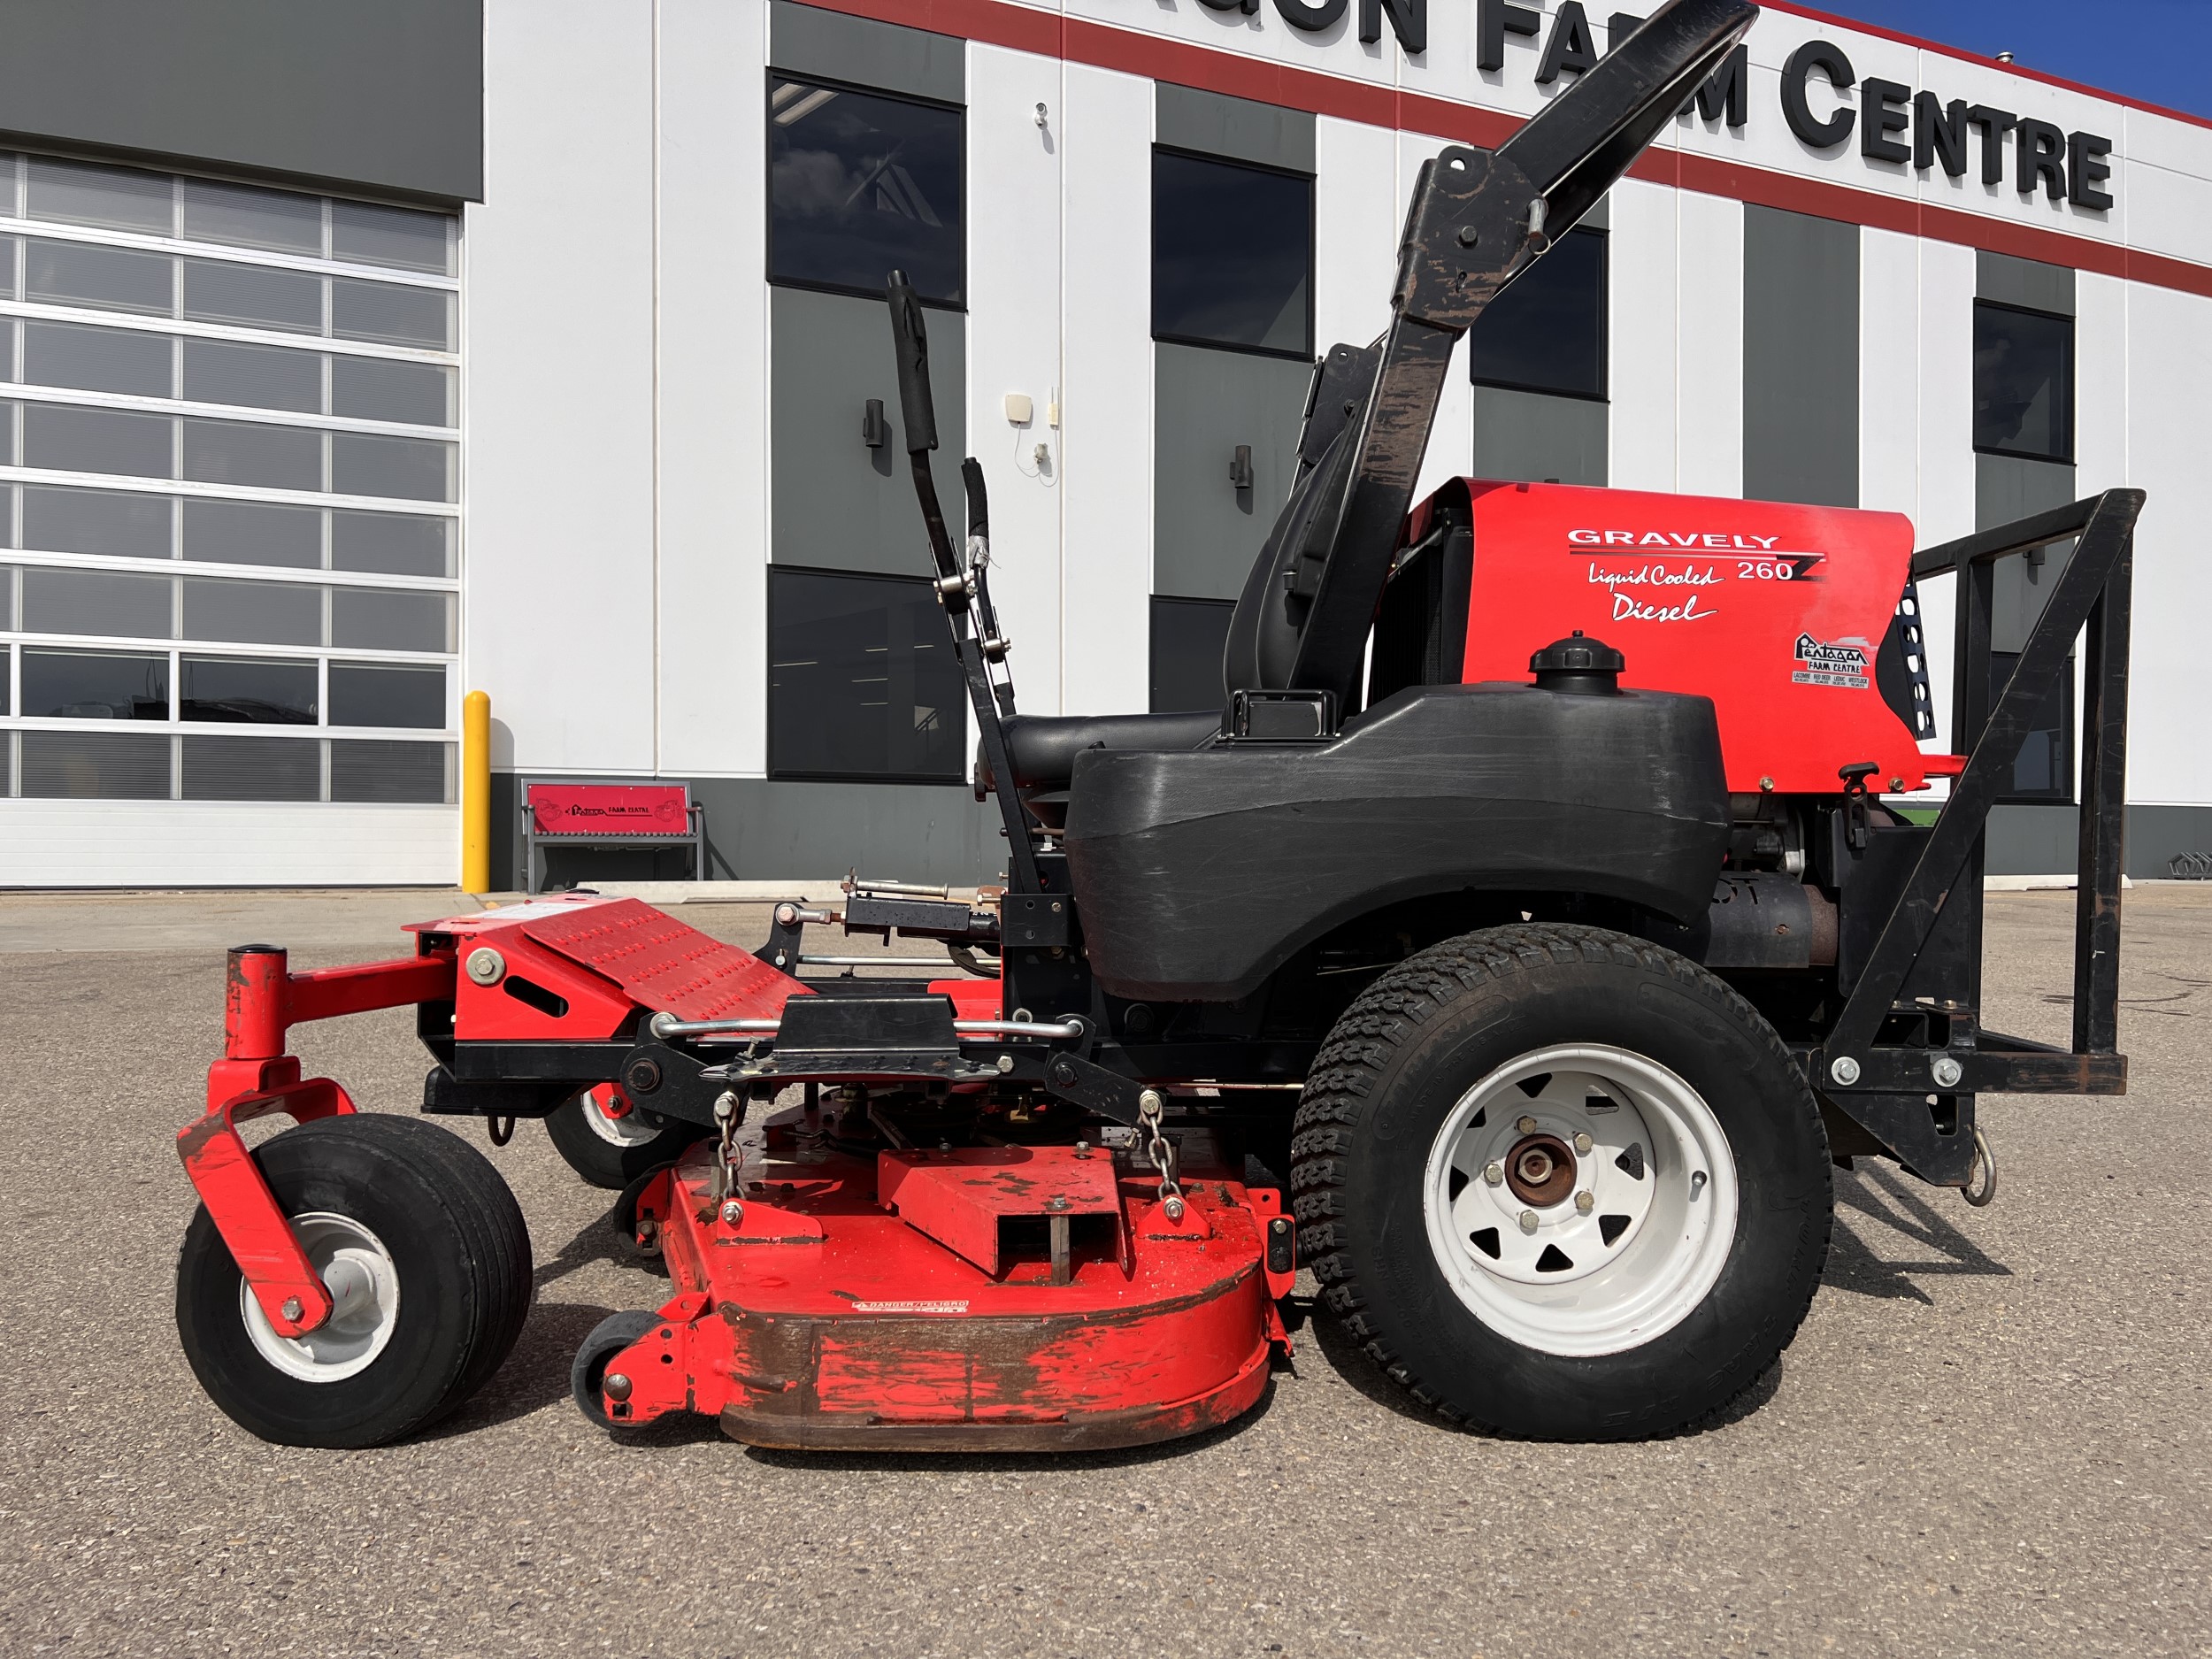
[[1885, 1198]]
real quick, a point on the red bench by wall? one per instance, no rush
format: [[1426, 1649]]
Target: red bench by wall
[[609, 815]]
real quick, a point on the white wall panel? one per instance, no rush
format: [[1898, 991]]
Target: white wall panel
[[1106, 409], [1642, 295], [711, 356], [1357, 212], [1708, 395], [1889, 368], [2100, 382], [1945, 391], [1014, 243], [2169, 364], [226, 844], [558, 343]]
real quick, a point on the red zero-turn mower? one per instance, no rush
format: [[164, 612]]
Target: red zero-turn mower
[[1556, 1001]]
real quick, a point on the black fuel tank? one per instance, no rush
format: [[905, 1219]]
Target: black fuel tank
[[1198, 872]]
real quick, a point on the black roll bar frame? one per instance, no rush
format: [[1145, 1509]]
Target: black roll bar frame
[[2094, 593]]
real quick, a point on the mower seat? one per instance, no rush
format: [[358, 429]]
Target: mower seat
[[1040, 749]]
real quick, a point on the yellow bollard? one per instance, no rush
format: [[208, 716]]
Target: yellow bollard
[[476, 792]]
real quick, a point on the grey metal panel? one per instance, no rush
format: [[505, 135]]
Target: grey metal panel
[[387, 98], [1534, 436], [2156, 835], [2034, 840], [1601, 214], [2008, 486], [834, 502], [1800, 359], [761, 829], [1205, 533], [2029, 282], [808, 41], [1215, 124]]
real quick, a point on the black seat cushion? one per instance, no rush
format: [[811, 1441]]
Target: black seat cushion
[[1041, 748]]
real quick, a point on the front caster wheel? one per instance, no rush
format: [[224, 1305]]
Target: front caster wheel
[[588, 1376], [1562, 1183], [609, 1143], [427, 1261]]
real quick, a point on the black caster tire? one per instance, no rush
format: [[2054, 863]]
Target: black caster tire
[[612, 1152], [608, 1339], [428, 1256], [1563, 1184]]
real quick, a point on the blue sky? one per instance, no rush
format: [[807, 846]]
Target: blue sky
[[2158, 50]]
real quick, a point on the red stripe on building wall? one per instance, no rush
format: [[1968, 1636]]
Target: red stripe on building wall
[[1077, 40]]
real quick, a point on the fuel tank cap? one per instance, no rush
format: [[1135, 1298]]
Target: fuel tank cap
[[1578, 666]]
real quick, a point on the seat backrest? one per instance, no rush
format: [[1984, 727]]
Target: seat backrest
[[608, 808], [1265, 628]]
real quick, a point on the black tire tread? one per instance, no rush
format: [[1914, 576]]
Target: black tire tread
[[468, 1202], [1347, 1068]]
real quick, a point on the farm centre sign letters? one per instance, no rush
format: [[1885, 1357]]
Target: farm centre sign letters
[[1823, 99]]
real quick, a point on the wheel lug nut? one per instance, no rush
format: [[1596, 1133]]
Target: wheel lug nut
[[1583, 1143], [1585, 1203], [1494, 1174], [1527, 1125], [1528, 1221]]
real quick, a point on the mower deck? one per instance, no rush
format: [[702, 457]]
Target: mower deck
[[1007, 1297]]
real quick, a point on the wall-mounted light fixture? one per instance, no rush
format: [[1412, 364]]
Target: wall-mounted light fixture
[[875, 431], [1240, 467]]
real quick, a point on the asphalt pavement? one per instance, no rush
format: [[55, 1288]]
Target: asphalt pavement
[[1989, 1438]]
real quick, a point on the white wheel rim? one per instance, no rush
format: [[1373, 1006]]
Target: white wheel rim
[[363, 1285], [1644, 1252], [633, 1128]]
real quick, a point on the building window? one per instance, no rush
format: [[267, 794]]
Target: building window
[[2024, 382], [860, 184], [1547, 332], [208, 385], [863, 682], [1188, 638], [2043, 773], [1232, 255]]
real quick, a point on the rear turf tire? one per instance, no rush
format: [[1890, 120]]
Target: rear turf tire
[[612, 1152], [1687, 1274], [445, 1246]]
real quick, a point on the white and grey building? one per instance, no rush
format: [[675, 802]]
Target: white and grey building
[[353, 357]]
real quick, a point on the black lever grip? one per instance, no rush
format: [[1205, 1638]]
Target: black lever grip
[[979, 503], [910, 340]]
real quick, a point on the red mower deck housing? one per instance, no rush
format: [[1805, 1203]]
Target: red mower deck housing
[[1019, 1298]]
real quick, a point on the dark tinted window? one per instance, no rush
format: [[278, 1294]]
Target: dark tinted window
[[1232, 255], [1188, 636], [2024, 382], [94, 765], [252, 769], [95, 686], [248, 533], [371, 769], [392, 543], [376, 694], [2045, 770], [860, 184], [240, 688], [96, 521], [863, 682], [1547, 332]]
